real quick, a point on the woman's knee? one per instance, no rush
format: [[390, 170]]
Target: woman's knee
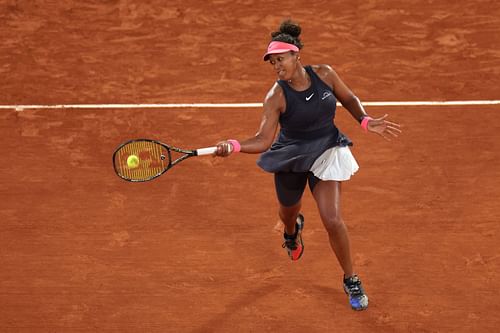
[[333, 223]]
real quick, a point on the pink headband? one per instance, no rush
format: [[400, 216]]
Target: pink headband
[[279, 47]]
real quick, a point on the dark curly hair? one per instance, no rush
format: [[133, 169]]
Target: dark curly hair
[[289, 32]]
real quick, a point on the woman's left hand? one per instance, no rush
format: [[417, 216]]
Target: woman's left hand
[[384, 128]]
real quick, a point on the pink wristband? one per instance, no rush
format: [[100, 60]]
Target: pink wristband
[[236, 145], [364, 122]]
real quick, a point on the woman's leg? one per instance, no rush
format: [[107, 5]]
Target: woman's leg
[[327, 196], [289, 188], [288, 215]]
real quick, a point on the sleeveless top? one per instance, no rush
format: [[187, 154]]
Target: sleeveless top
[[307, 128]]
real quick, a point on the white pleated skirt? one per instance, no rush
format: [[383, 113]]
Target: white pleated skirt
[[336, 163]]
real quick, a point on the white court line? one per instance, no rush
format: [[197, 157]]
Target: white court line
[[231, 105]]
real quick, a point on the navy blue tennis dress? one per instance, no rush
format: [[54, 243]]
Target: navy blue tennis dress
[[307, 128]]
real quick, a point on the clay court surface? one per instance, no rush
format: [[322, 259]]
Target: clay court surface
[[197, 250]]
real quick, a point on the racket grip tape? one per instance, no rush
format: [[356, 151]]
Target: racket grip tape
[[206, 151]]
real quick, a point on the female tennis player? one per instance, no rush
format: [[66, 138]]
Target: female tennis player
[[309, 148]]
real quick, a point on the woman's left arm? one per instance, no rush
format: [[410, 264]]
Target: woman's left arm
[[352, 103]]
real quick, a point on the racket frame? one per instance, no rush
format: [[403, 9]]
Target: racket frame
[[187, 153]]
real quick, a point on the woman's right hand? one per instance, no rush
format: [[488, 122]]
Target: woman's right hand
[[224, 149]]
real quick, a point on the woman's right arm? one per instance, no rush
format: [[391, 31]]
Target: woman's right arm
[[274, 104]]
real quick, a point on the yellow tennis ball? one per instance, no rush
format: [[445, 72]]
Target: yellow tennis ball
[[133, 161]]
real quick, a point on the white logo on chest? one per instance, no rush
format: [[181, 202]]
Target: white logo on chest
[[308, 98], [326, 94]]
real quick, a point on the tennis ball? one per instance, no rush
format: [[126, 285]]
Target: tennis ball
[[133, 161]]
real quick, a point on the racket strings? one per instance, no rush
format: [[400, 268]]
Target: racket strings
[[153, 160]]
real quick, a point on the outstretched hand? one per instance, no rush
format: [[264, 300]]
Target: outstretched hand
[[384, 128]]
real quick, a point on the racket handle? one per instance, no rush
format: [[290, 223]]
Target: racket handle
[[206, 151]]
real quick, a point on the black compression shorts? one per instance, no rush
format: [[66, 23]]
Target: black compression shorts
[[290, 186]]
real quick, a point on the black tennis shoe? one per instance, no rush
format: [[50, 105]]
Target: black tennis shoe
[[293, 243], [357, 297]]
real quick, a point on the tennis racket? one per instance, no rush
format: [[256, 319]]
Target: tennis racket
[[142, 160]]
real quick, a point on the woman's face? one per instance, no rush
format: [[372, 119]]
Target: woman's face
[[284, 64]]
